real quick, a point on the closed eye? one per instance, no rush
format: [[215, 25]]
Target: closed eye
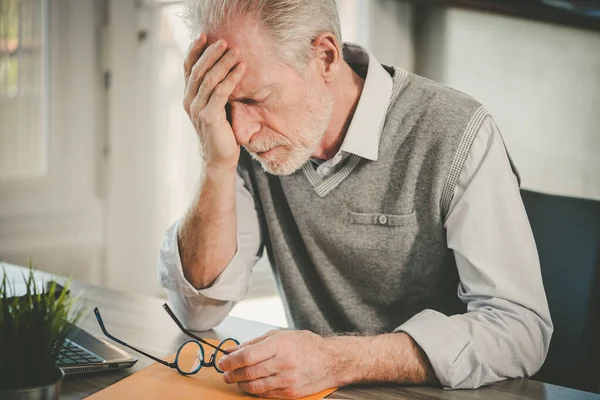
[[249, 102]]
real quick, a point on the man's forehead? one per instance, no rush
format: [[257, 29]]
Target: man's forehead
[[253, 51], [254, 83], [263, 68]]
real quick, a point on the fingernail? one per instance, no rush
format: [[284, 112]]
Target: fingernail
[[226, 377], [198, 37], [220, 363]]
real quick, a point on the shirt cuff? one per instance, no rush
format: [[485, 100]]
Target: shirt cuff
[[448, 348], [231, 285]]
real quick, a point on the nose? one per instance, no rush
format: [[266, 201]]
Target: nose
[[244, 123]]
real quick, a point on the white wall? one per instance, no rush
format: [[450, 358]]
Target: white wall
[[540, 81], [384, 27]]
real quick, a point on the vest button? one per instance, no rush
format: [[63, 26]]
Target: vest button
[[382, 219]]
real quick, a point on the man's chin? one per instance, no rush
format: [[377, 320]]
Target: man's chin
[[279, 170], [275, 167]]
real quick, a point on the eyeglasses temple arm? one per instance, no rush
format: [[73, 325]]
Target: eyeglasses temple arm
[[101, 323], [190, 334]]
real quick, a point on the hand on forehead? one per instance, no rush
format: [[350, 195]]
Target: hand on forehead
[[262, 67]]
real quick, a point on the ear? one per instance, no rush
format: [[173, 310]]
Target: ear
[[327, 53]]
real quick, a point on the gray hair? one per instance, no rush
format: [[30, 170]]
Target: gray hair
[[292, 24]]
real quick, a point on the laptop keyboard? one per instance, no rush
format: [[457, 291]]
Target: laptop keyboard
[[71, 353]]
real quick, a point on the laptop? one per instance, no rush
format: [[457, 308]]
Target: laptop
[[82, 352]]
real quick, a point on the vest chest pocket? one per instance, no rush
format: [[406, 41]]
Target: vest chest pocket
[[383, 232], [383, 220]]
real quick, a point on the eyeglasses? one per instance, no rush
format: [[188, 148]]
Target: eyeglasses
[[190, 357]]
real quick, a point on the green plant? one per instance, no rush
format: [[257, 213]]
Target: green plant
[[32, 328]]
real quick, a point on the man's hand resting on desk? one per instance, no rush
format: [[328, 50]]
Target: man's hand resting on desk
[[292, 364]]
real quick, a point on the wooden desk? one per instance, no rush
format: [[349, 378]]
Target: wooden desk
[[141, 322]]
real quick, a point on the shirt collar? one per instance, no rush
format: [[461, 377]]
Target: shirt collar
[[364, 132]]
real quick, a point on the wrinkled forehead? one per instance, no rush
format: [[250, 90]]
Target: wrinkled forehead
[[250, 40], [263, 67]]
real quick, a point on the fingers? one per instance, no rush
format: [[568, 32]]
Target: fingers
[[259, 339], [260, 370], [196, 49], [207, 60], [247, 356], [214, 78], [280, 386], [263, 385], [220, 94], [203, 64]]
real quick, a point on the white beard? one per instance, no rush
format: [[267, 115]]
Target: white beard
[[311, 130]]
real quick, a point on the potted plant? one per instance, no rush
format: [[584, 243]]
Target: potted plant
[[33, 327]]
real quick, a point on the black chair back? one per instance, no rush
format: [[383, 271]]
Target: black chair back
[[567, 235]]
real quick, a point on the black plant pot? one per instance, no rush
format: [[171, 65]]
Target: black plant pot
[[50, 391]]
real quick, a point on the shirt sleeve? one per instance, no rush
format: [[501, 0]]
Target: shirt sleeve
[[201, 310], [506, 330]]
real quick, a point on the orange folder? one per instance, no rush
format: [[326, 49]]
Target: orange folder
[[160, 382]]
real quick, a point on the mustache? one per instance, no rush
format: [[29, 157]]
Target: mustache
[[262, 145]]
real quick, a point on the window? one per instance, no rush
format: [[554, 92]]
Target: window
[[23, 72], [51, 109]]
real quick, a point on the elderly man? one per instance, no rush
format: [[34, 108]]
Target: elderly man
[[387, 203]]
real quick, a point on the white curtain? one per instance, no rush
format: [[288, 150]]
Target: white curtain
[[154, 157], [181, 164]]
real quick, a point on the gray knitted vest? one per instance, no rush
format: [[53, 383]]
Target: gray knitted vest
[[365, 249]]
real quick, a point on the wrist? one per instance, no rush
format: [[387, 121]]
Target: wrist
[[345, 358], [220, 170], [219, 176]]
